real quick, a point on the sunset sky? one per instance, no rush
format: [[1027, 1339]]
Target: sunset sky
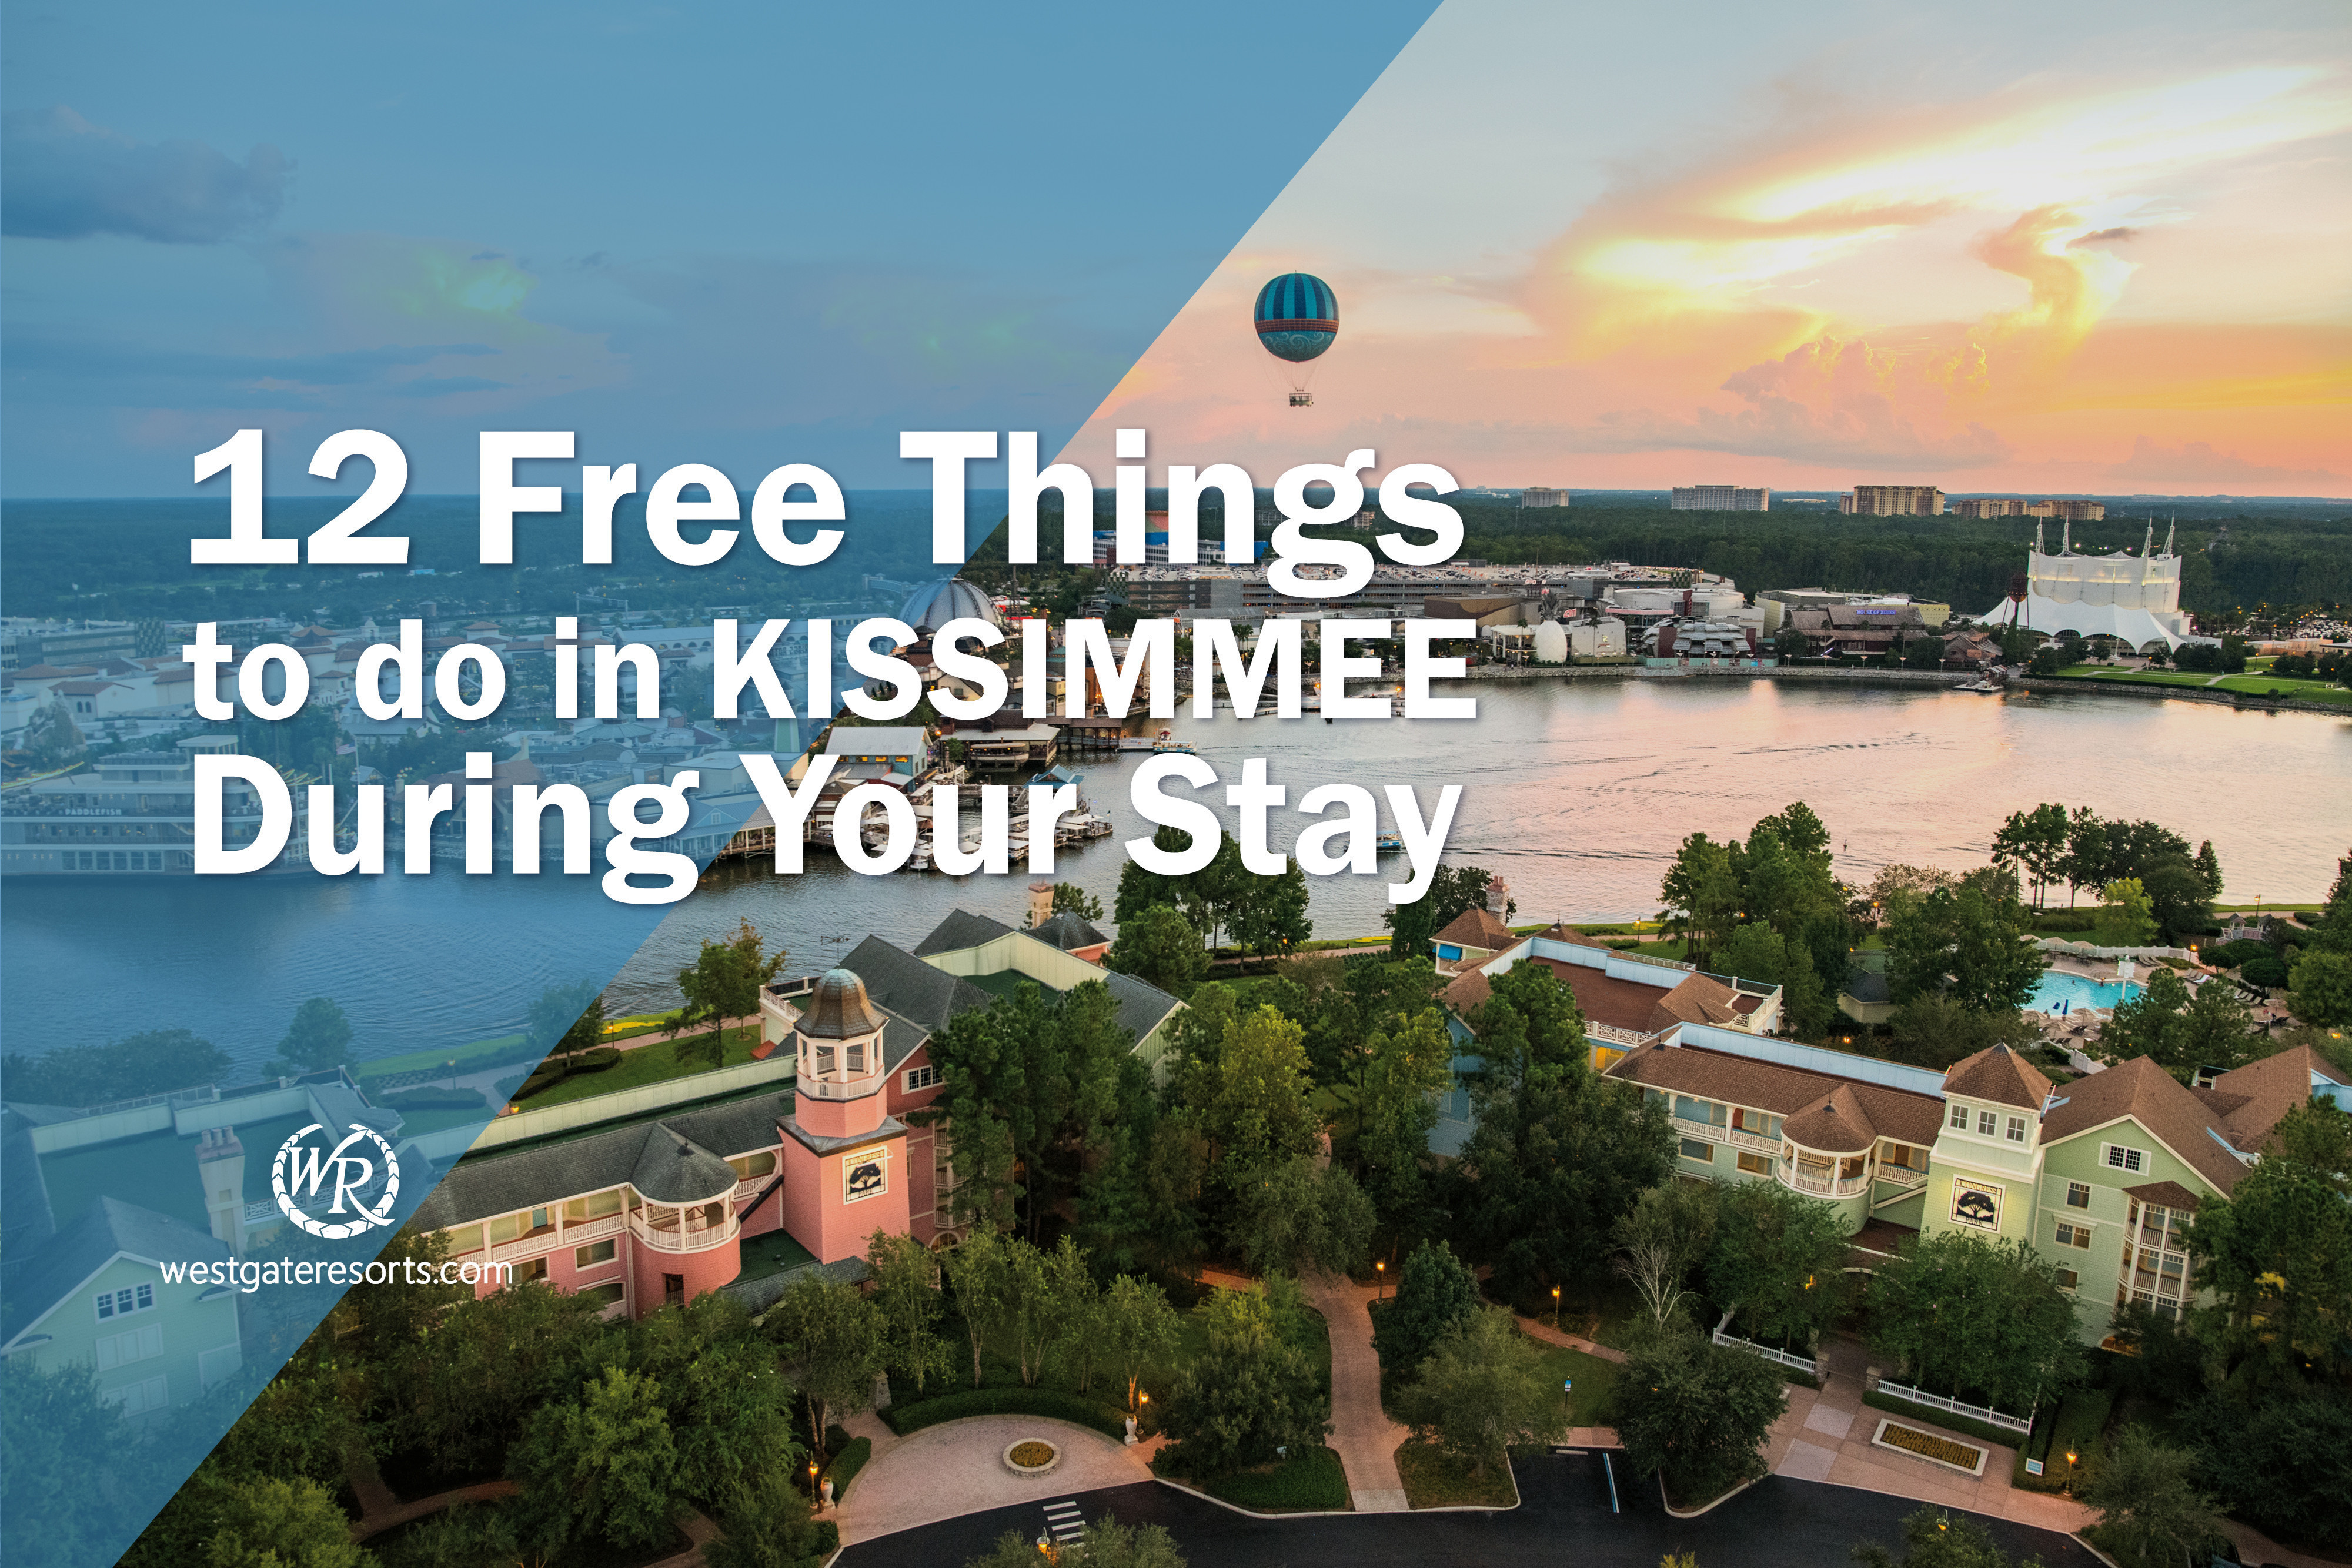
[[2090, 248]]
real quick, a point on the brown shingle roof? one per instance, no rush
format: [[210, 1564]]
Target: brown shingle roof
[[2164, 1194], [1836, 1123], [2152, 1097], [1699, 998], [1783, 1091], [1478, 928], [1466, 992], [1571, 934], [2249, 1100], [1604, 999], [1997, 1074]]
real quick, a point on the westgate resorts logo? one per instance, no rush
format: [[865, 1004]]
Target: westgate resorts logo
[[308, 1166]]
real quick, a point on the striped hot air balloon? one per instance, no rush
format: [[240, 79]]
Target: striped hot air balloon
[[1297, 318]]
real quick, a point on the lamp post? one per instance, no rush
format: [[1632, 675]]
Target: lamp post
[[1380, 1273], [1555, 1309], [2071, 1457], [812, 1492]]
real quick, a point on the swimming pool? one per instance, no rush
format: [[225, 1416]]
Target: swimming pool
[[2056, 992]]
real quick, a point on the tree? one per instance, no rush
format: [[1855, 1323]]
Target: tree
[[1252, 1102], [2123, 918], [2034, 844], [2177, 896], [769, 1522], [1102, 1543], [1695, 1413], [2278, 1252], [1295, 1216], [1973, 942], [905, 1291], [1270, 917], [2148, 1504], [1933, 1537], [1933, 1031], [1405, 1068], [1758, 952], [2319, 987], [2208, 871], [2281, 1460], [1140, 1328], [1963, 1314], [834, 1338], [264, 1522], [1069, 898], [723, 982], [600, 1469], [1159, 946], [488, 1365], [53, 1422], [319, 1037], [1660, 1240], [1484, 1387], [154, 1062], [1776, 1261], [730, 1410], [1435, 1295], [1558, 1152], [1701, 895], [1245, 1396], [567, 1020], [1070, 1311]]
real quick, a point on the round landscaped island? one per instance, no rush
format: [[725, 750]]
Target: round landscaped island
[[1032, 1456]]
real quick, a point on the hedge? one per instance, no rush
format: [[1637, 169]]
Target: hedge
[[435, 1100], [1307, 1482], [1076, 1409], [846, 1464]]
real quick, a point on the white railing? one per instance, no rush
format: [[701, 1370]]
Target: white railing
[[524, 1247], [1902, 1175], [1610, 1034], [1909, 1396], [694, 1240], [593, 1229], [1819, 1187], [1707, 1129], [1805, 1364], [1754, 1142]]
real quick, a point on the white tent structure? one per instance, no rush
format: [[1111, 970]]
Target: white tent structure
[[2135, 599]]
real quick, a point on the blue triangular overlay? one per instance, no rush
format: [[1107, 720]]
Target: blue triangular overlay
[[1153, 142]]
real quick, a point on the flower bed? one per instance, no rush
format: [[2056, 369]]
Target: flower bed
[[1929, 1445], [1030, 1457]]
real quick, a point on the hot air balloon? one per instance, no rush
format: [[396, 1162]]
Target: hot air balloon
[[1297, 318]]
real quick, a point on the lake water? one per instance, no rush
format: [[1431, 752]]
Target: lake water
[[1577, 792]]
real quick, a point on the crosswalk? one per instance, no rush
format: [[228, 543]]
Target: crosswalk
[[1063, 1523]]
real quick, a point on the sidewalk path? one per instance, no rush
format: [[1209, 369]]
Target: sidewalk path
[[1360, 1430], [1536, 1328], [958, 1468]]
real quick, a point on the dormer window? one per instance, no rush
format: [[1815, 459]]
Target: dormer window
[[1956, 1118], [2015, 1130], [1987, 1123]]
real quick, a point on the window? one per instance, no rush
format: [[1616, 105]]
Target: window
[[1987, 1123], [2015, 1130], [596, 1206], [121, 1303], [1755, 1165], [529, 1270], [1694, 1149], [603, 1295], [2078, 1195], [2118, 1157], [921, 1078], [1904, 1156], [138, 1398], [2068, 1278], [673, 1290], [1704, 1112], [751, 1167], [465, 1238], [1958, 1119], [594, 1253], [1757, 1123], [2073, 1235]]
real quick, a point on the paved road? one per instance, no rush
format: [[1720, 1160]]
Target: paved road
[[1778, 1523]]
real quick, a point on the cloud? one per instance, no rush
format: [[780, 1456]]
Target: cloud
[[68, 179], [2198, 462]]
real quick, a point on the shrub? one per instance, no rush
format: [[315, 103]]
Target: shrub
[[1050, 1403], [2230, 954], [1309, 1481], [846, 1464], [2269, 971]]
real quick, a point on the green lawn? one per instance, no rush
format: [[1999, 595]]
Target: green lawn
[[645, 1064], [1433, 1480], [470, 1058], [1594, 1378], [1307, 1483], [2249, 684]]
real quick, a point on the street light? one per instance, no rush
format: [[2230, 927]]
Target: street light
[[1555, 1309], [813, 1497], [1381, 1271]]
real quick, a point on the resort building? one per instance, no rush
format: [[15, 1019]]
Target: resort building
[[738, 1177], [1541, 498], [2102, 1176], [1893, 501], [1720, 498]]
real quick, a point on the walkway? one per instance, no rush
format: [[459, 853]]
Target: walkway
[[1825, 1437], [958, 1468], [1361, 1432]]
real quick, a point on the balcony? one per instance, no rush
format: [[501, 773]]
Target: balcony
[[693, 1237], [1754, 1142], [1819, 1184], [1903, 1176], [1707, 1129]]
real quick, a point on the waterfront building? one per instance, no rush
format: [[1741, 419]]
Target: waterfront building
[[132, 813], [2101, 1177], [1893, 501], [738, 1178], [1720, 498], [2135, 599]]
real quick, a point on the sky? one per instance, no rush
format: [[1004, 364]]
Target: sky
[[743, 235], [2089, 248]]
